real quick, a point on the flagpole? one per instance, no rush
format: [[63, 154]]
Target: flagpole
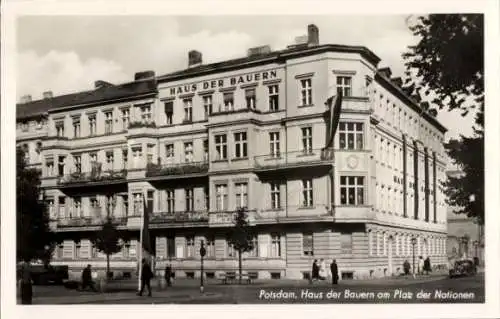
[[139, 261]]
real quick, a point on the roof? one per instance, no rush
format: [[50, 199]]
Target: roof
[[104, 94], [274, 56]]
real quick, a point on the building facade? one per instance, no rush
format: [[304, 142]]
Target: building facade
[[251, 133]]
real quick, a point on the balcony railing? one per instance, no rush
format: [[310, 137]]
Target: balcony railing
[[94, 176], [176, 169], [305, 157], [89, 221], [228, 217], [179, 217]]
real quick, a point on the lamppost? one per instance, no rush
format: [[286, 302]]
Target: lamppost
[[413, 243], [203, 251]]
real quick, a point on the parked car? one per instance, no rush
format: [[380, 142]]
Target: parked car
[[463, 268], [45, 274]]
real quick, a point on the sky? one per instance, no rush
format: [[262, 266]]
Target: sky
[[65, 54]]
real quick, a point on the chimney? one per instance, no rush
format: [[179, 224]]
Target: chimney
[[144, 75], [265, 49], [386, 72], [99, 84], [47, 95], [312, 35], [397, 81], [25, 99], [194, 58]]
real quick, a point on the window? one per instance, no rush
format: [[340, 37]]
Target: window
[[171, 247], [351, 136], [275, 196], [352, 190], [306, 92], [170, 200], [125, 118], [60, 165], [207, 105], [307, 140], [188, 193], [77, 206], [150, 154], [241, 195], [51, 208], [60, 128], [92, 125], [205, 150], [38, 150], [273, 98], [254, 252], [188, 152], [307, 244], [26, 153], [108, 123], [221, 197], [169, 112], [150, 200], [240, 141], [109, 160], [274, 144], [344, 85], [221, 146], [49, 166], [76, 127], [146, 113], [78, 248], [210, 247], [231, 252], [188, 110], [125, 204], [275, 245], [137, 154], [250, 98], [125, 158], [228, 101], [190, 247], [346, 243], [78, 163], [62, 207], [307, 193], [206, 197], [169, 148]]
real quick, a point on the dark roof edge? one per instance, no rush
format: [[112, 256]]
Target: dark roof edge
[[275, 56], [104, 102], [389, 85], [32, 116]]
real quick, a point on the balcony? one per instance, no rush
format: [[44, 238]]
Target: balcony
[[75, 222], [296, 159], [179, 217], [93, 177], [178, 169], [226, 219]]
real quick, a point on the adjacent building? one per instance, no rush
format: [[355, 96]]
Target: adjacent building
[[200, 143]]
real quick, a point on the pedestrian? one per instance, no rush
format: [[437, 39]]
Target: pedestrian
[[322, 269], [406, 267], [168, 275], [420, 265], [146, 276], [87, 278], [335, 272], [315, 270], [427, 265], [26, 285]]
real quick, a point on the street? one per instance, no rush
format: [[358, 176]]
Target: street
[[434, 289]]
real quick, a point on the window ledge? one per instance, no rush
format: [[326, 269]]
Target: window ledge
[[306, 154], [307, 207], [221, 161], [235, 159], [305, 105]]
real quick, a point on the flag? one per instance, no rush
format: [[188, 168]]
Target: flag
[[146, 240], [334, 104]]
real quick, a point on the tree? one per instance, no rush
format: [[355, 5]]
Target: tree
[[107, 241], [446, 67], [241, 236], [35, 240]]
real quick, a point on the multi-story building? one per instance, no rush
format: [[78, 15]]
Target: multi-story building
[[251, 133], [465, 235]]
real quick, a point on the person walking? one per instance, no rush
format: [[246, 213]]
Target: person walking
[[427, 265], [146, 276], [335, 272], [26, 284], [322, 269], [420, 265], [315, 270], [406, 267], [168, 275], [87, 278]]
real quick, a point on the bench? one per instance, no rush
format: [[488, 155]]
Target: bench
[[231, 277]]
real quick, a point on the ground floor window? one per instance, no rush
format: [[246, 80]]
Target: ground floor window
[[307, 244]]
